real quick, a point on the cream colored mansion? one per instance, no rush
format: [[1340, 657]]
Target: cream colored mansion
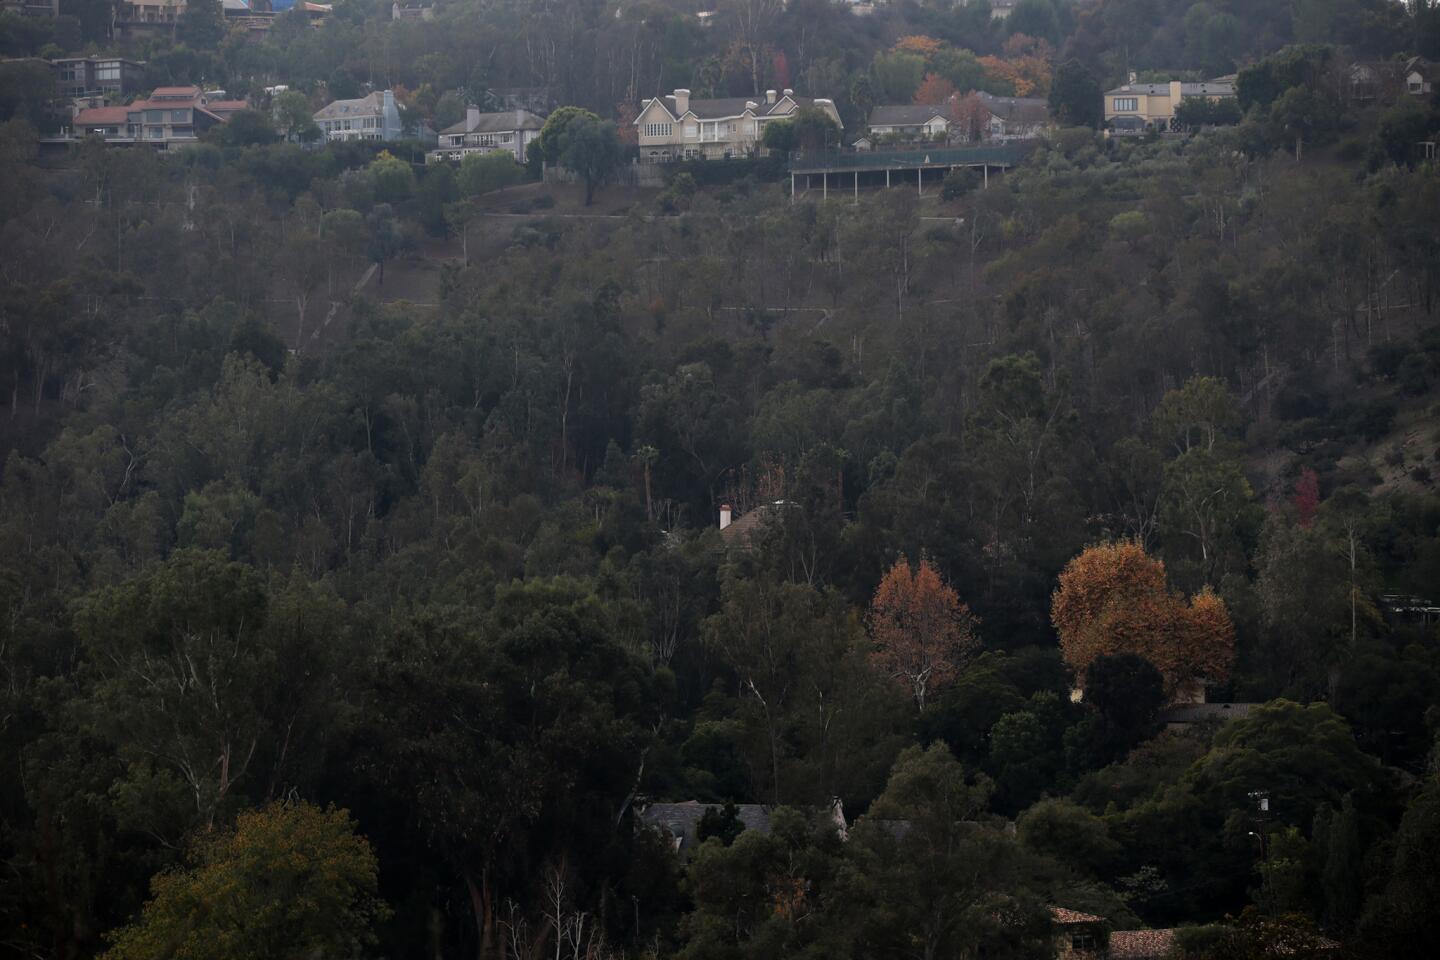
[[676, 127]]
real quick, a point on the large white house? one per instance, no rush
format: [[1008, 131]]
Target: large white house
[[372, 117], [511, 131], [676, 127]]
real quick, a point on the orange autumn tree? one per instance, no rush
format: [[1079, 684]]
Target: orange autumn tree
[[1113, 598], [923, 633], [935, 91], [919, 45]]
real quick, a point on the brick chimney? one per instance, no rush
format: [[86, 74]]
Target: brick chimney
[[682, 102], [724, 515]]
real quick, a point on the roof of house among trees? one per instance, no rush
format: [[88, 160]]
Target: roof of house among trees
[[904, 115], [681, 820], [1016, 109], [1200, 712]]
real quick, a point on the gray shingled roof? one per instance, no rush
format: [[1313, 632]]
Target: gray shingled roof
[[680, 820], [908, 115], [1200, 712], [365, 106], [503, 122], [1207, 88], [1017, 109]]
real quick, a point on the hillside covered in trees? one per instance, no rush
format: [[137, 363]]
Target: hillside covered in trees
[[351, 617]]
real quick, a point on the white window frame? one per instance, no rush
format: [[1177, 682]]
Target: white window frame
[[1127, 104]]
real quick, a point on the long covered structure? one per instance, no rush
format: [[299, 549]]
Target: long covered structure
[[895, 167]]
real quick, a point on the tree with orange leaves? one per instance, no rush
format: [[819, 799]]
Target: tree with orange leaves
[[1113, 598], [923, 633], [917, 44], [934, 91], [1028, 76]]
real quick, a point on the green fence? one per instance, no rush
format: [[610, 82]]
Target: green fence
[[995, 155]]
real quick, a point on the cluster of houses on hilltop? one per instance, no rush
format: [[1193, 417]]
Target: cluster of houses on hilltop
[[680, 127], [1137, 108], [667, 128]]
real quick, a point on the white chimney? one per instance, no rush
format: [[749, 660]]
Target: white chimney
[[724, 515], [789, 92], [472, 117], [751, 105], [682, 102], [1132, 77], [769, 96]]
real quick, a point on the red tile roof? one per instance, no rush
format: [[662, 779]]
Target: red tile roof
[[176, 92], [163, 104], [1063, 916], [1141, 944], [100, 116], [227, 106]]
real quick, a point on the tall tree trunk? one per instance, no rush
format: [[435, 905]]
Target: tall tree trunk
[[482, 907]]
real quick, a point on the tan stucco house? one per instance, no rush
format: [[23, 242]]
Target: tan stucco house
[[1143, 107], [675, 127]]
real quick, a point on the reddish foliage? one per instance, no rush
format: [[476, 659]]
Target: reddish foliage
[[1306, 497], [923, 634], [780, 67], [936, 90]]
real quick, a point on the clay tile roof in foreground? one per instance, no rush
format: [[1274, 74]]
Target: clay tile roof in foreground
[[95, 116], [1063, 916], [1141, 944]]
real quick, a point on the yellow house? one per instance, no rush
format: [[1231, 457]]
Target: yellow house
[[1142, 107], [679, 128]]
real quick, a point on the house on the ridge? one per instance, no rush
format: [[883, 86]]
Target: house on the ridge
[[908, 121], [675, 127], [372, 117], [1015, 118], [170, 117], [97, 76], [1137, 108], [743, 532], [679, 822], [511, 131]]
